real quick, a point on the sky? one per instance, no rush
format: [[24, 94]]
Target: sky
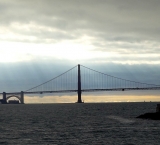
[[40, 39]]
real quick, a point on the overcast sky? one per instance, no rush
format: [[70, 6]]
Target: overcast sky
[[40, 39]]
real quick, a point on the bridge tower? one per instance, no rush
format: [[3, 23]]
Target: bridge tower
[[79, 85], [22, 97]]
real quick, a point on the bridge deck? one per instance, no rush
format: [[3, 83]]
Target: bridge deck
[[84, 90]]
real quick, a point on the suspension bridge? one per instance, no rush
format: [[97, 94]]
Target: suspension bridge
[[81, 79]]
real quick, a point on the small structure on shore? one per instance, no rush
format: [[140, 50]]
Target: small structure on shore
[[153, 115]]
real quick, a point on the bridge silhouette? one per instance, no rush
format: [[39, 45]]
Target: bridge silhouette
[[81, 79]]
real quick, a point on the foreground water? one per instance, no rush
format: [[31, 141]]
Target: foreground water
[[102, 123]]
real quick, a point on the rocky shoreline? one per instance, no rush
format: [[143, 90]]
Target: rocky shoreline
[[153, 116]]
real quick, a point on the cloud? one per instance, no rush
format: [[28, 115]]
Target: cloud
[[123, 26], [119, 32], [22, 76]]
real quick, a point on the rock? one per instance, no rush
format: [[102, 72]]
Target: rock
[[153, 116]]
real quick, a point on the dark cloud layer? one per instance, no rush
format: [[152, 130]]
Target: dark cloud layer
[[23, 76], [106, 21]]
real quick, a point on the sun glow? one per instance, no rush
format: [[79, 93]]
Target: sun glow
[[67, 50], [13, 51], [90, 99]]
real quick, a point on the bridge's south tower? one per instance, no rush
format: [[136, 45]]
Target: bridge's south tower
[[79, 85]]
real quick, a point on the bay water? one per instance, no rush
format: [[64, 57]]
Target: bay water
[[71, 124]]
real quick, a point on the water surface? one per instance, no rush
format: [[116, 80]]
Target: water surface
[[101, 123]]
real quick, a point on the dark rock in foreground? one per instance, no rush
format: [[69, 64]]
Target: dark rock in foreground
[[153, 116]]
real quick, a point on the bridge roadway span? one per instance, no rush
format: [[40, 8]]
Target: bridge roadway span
[[83, 90]]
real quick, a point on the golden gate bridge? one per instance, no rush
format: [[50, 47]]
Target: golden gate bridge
[[81, 79]]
